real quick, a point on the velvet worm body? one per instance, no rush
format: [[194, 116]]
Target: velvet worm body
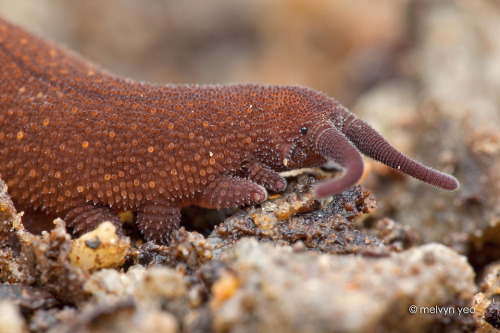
[[79, 142]]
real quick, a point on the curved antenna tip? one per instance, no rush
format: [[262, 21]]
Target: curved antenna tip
[[448, 183]]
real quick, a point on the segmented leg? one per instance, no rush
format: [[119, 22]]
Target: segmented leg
[[158, 220], [229, 191], [266, 177], [88, 216]]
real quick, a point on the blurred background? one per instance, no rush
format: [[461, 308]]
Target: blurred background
[[339, 47], [425, 73]]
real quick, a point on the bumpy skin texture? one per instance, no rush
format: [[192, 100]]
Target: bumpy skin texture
[[78, 142]]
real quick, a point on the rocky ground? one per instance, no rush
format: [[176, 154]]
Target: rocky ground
[[426, 74]]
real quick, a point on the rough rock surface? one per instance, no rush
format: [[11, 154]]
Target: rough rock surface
[[279, 290], [296, 216], [487, 301]]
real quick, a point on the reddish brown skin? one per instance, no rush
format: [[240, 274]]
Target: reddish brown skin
[[78, 142]]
